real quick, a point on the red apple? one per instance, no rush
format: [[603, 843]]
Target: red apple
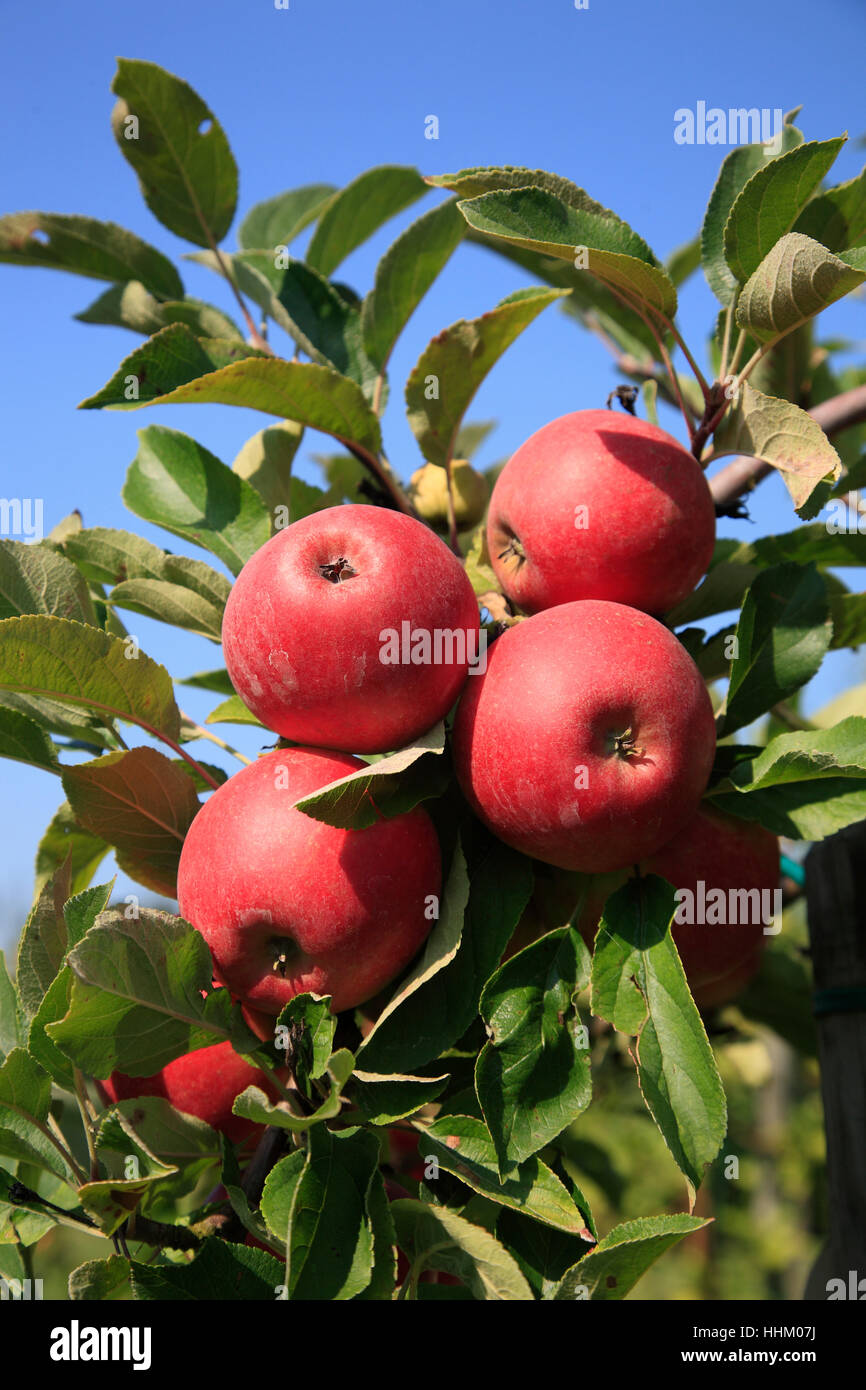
[[204, 1083], [598, 505], [589, 740], [351, 629], [288, 904], [721, 953]]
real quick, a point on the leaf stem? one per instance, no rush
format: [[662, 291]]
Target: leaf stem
[[201, 732], [256, 339], [81, 1097]]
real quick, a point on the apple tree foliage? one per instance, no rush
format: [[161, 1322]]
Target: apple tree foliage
[[488, 1064]]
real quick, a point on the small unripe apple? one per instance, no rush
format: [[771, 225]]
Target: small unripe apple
[[428, 490], [598, 505], [352, 629], [288, 904], [589, 740], [204, 1083]]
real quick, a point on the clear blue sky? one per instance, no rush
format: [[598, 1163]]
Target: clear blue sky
[[320, 92]]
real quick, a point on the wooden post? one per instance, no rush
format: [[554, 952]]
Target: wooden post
[[836, 897]]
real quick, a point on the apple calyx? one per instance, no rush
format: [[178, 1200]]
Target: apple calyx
[[513, 550], [284, 949], [337, 570], [624, 745]]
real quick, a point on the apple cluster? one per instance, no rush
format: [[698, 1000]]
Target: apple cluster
[[584, 739]]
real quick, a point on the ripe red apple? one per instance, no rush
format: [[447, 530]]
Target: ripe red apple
[[288, 904], [598, 505], [204, 1083], [728, 856], [589, 740], [352, 629]]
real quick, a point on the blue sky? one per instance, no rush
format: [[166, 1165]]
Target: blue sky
[[319, 92]]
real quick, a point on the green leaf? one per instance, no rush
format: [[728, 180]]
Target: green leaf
[[389, 787], [381, 1285], [171, 365], [277, 221], [772, 200], [253, 1104], [84, 246], [64, 839], [34, 579], [782, 435], [307, 1026], [404, 275], [152, 1125], [837, 217], [106, 556], [803, 785], [100, 1281], [797, 279], [421, 1019], [133, 306], [142, 995], [218, 681], [848, 612], [782, 637], [384, 1099], [233, 711], [178, 369], [172, 603], [542, 1253], [532, 1078], [453, 366], [220, 1270], [436, 1238], [359, 209], [179, 150], [437, 1003], [737, 168], [140, 803], [330, 1240], [265, 461], [69, 661], [462, 1146], [684, 261], [780, 997], [315, 313], [24, 1086], [79, 914], [11, 1030], [178, 484], [43, 942], [639, 986], [613, 1268], [279, 1192], [583, 233], [23, 740]]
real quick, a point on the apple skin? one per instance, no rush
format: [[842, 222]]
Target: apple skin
[[726, 853], [260, 879], [303, 650], [648, 533], [555, 706], [202, 1083]]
